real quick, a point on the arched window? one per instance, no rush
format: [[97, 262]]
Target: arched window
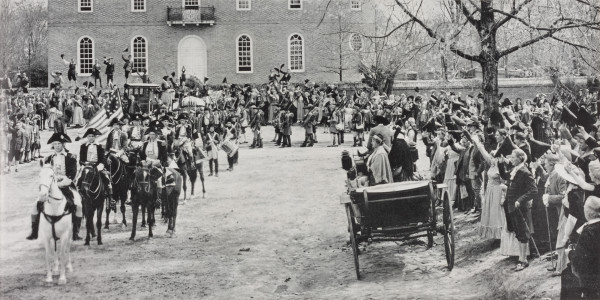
[[140, 54], [356, 42], [85, 53], [296, 53], [244, 54]]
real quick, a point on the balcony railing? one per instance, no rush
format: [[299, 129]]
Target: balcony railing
[[194, 16]]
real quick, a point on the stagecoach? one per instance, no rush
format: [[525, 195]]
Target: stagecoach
[[397, 212], [144, 94]]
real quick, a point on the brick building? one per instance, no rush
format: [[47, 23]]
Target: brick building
[[238, 39]]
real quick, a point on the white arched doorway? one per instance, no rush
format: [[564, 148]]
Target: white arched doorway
[[191, 54]]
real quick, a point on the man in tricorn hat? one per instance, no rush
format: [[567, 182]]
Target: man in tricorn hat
[[64, 165], [183, 138], [117, 141], [255, 124], [92, 154], [358, 126], [110, 71], [307, 123]]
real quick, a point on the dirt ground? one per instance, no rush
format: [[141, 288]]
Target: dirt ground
[[282, 206]]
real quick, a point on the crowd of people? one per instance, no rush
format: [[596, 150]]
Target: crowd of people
[[529, 168], [530, 171]]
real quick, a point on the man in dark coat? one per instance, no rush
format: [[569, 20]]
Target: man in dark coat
[[154, 151], [92, 154], [110, 71], [521, 189], [586, 257], [117, 140]]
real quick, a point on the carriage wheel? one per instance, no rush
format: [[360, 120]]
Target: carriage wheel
[[448, 232], [354, 243]]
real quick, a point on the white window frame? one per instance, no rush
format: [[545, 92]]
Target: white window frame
[[85, 11], [237, 55], [237, 5], [183, 3], [133, 55], [290, 5], [358, 2], [79, 55], [289, 44], [362, 42], [138, 10]]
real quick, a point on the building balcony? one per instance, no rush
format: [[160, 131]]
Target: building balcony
[[191, 16]]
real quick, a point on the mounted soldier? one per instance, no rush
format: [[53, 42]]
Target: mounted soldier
[[116, 143], [183, 140], [92, 154], [64, 165]]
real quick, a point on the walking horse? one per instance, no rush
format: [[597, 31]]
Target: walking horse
[[189, 168], [92, 192], [143, 193], [169, 190], [55, 230], [120, 186]]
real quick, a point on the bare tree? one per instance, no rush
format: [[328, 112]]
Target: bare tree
[[484, 19]]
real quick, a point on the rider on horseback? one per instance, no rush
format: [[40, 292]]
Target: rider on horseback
[[64, 165], [183, 139], [92, 154], [116, 145]]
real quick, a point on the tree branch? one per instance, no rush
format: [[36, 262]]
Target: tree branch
[[525, 44], [432, 34], [467, 13], [513, 12], [576, 45]]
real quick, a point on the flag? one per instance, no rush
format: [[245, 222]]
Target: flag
[[102, 118]]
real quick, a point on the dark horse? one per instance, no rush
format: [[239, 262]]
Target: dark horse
[[171, 183], [189, 169], [143, 193], [120, 184], [92, 193]]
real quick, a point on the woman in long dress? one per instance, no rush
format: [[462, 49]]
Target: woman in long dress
[[493, 219], [78, 119], [450, 176]]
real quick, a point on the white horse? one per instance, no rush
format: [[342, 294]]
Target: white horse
[[56, 229]]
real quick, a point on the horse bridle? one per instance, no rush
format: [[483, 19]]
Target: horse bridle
[[49, 186], [146, 184], [112, 177], [88, 185]]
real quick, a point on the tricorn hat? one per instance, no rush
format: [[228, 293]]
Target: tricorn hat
[[153, 129], [567, 116], [93, 131], [59, 137], [506, 148], [538, 149], [506, 102], [381, 120], [115, 121], [182, 116], [431, 125], [156, 124]]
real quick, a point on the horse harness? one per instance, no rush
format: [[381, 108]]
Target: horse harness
[[55, 219]]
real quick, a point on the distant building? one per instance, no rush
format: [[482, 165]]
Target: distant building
[[238, 39]]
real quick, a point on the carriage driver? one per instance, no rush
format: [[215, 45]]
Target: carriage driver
[[64, 165], [92, 154]]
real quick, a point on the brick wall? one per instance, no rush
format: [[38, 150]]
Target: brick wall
[[112, 26]]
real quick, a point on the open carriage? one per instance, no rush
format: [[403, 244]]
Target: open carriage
[[397, 212]]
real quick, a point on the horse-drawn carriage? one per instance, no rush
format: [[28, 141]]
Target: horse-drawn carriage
[[397, 212]]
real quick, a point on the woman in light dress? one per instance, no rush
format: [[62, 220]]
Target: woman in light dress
[[78, 119], [493, 219]]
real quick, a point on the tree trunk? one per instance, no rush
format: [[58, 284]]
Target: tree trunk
[[489, 59]]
